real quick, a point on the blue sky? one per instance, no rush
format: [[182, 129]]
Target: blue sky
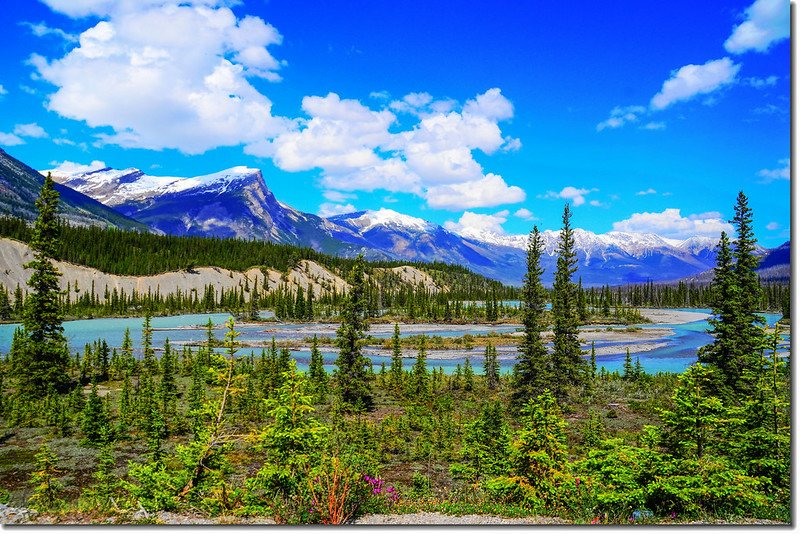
[[478, 115]]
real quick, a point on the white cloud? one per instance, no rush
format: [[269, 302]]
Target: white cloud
[[597, 204], [41, 29], [669, 223], [760, 83], [491, 190], [575, 194], [620, 116], [692, 80], [473, 224], [71, 167], [3, 90], [648, 191], [525, 214], [30, 130], [773, 226], [9, 139], [766, 22], [654, 126], [337, 196], [781, 173], [355, 148], [166, 75], [329, 209], [380, 95]]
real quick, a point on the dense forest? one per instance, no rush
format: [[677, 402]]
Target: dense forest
[[216, 431]]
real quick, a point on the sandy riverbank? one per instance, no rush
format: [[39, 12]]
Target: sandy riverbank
[[668, 316]]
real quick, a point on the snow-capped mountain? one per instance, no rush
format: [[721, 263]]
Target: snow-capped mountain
[[19, 188], [237, 203], [231, 203]]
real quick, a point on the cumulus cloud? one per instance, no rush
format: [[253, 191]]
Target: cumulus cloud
[[654, 126], [760, 83], [648, 191], [491, 190], [30, 130], [766, 23], [773, 226], [671, 224], [356, 148], [575, 194], [525, 214], [166, 75], [620, 116], [9, 139], [474, 224], [783, 172], [692, 80], [329, 209], [71, 167]]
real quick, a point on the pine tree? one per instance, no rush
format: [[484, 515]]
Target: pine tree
[[419, 373], [720, 354], [491, 369], [396, 370], [749, 331], [593, 361], [44, 357], [310, 303], [316, 373], [95, 423], [469, 375], [540, 450], [568, 365], [167, 389], [149, 356], [627, 367], [46, 486], [351, 373], [531, 372]]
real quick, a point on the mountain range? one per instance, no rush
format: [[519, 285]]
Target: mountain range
[[237, 203], [19, 188]]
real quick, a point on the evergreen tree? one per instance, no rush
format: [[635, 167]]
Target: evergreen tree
[[491, 369], [469, 375], [351, 373], [316, 373], [531, 371], [149, 360], [749, 331], [310, 303], [720, 354], [46, 486], [697, 416], [593, 361], [627, 367], [167, 389], [95, 423], [540, 450], [396, 370], [419, 373], [568, 365], [44, 357]]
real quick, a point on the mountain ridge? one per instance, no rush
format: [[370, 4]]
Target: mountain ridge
[[237, 202]]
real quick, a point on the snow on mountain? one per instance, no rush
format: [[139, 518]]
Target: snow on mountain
[[114, 187], [237, 203]]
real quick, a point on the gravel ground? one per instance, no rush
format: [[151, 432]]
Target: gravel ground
[[435, 518]]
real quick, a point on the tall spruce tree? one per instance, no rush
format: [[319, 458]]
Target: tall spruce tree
[[44, 357], [318, 378], [568, 365], [396, 370], [351, 365], [750, 338], [419, 373], [531, 372], [491, 369]]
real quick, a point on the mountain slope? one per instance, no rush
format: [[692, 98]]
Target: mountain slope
[[237, 203], [19, 189], [232, 203]]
